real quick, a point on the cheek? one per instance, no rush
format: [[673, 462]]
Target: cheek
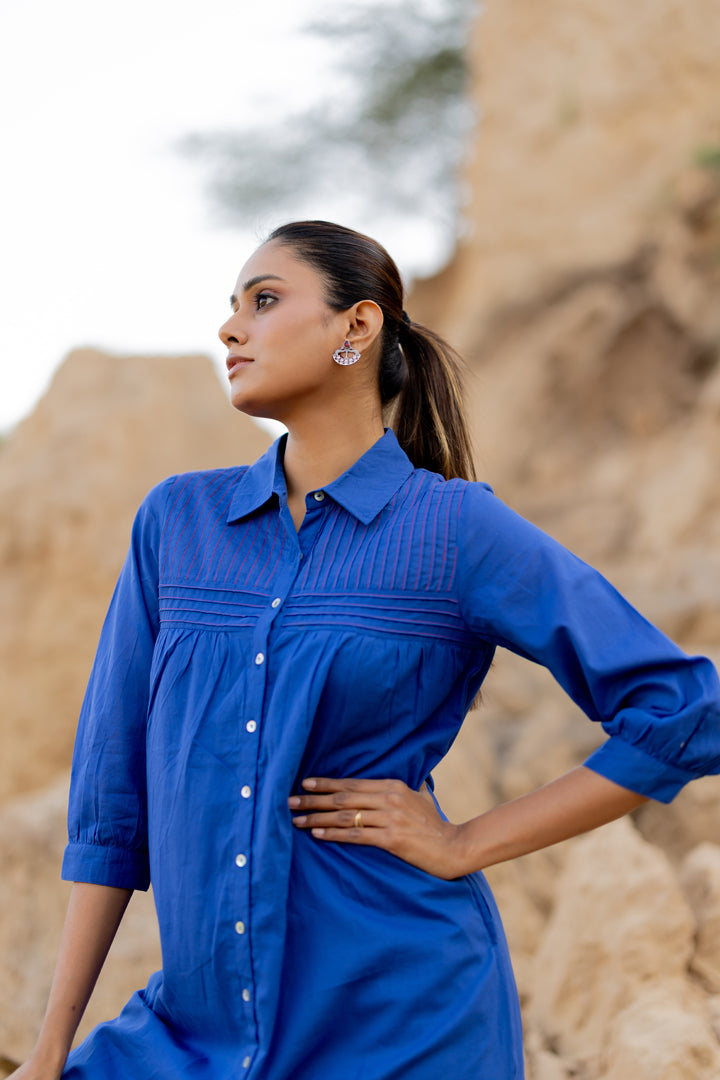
[[301, 350], [288, 367]]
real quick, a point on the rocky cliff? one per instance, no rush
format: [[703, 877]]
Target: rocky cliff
[[584, 295]]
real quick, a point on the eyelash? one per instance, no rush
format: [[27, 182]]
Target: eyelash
[[262, 296]]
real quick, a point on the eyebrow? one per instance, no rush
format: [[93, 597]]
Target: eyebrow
[[247, 285]]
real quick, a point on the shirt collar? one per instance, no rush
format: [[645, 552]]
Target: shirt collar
[[363, 490]]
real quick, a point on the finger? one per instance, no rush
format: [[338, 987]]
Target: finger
[[341, 819], [339, 800], [353, 783], [369, 837]]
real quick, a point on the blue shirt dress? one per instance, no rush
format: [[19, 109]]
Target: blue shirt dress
[[240, 656]]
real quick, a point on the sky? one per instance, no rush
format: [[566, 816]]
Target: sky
[[107, 237]]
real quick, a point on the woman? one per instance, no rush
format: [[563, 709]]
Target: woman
[[290, 650]]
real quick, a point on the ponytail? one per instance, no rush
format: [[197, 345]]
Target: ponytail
[[429, 419]]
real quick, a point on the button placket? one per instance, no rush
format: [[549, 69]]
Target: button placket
[[254, 707]]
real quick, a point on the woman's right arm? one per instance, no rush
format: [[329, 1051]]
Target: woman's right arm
[[93, 916]]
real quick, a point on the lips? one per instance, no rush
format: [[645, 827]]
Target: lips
[[235, 361]]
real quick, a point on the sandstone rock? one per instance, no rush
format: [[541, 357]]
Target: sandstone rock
[[692, 818], [620, 922], [713, 1004], [71, 478], [585, 115], [540, 1063], [33, 901], [584, 291], [547, 1066], [665, 1034], [464, 781], [700, 878]]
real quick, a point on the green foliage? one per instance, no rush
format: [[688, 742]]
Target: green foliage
[[388, 137], [708, 157]]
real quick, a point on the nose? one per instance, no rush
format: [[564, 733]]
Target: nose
[[231, 331]]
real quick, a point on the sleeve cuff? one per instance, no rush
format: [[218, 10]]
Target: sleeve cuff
[[100, 865], [625, 764]]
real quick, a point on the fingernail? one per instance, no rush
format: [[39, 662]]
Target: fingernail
[[318, 832], [310, 783], [300, 819], [294, 800]]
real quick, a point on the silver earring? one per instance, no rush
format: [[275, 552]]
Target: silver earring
[[346, 355]]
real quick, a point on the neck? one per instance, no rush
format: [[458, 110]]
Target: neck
[[317, 453]]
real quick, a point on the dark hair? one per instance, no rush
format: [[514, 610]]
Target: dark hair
[[415, 363]]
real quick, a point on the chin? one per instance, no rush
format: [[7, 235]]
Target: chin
[[262, 410]]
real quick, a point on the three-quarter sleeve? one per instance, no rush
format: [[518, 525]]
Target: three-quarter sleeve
[[107, 814], [519, 588]]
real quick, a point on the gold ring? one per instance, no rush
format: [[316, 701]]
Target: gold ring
[[358, 820]]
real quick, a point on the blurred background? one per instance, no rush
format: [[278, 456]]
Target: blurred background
[[152, 149], [548, 179]]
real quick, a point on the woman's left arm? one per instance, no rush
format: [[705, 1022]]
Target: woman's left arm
[[390, 815]]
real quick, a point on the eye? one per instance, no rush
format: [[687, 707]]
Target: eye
[[263, 300]]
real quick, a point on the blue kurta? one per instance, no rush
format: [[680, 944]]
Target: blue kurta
[[240, 656]]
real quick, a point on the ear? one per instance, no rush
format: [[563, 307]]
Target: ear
[[365, 324]]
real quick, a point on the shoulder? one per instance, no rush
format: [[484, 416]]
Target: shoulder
[[190, 488], [438, 485], [183, 500], [497, 544], [435, 485], [484, 516], [460, 504], [477, 511], [455, 496], [451, 513]]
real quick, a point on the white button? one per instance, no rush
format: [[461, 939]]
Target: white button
[[241, 860], [246, 791], [259, 658], [239, 927], [246, 994], [319, 496], [276, 602], [246, 1062], [251, 726]]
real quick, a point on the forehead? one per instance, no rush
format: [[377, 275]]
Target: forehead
[[276, 260]]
